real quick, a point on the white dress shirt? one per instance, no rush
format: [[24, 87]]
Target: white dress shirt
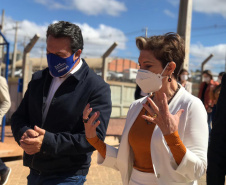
[[55, 84]]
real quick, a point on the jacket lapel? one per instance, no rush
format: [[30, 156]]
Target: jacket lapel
[[125, 157]]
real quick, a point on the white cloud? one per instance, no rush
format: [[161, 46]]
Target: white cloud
[[210, 6], [52, 4], [198, 53], [169, 13], [205, 6], [174, 2], [26, 31], [96, 40], [89, 7], [198, 50]]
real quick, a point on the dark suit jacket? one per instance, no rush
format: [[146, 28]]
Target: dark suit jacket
[[64, 148]]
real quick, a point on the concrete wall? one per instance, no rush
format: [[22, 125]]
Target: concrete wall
[[14, 96], [122, 95]]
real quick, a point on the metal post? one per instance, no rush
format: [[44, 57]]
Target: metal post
[[105, 55], [27, 49], [204, 62], [14, 52]]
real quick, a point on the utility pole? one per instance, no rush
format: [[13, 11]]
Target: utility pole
[[26, 73], [146, 32], [1, 40], [105, 55], [42, 48], [14, 52], [184, 27]]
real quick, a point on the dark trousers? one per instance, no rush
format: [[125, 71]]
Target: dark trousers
[[216, 169], [2, 166], [60, 179]]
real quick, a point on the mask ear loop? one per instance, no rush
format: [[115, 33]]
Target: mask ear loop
[[164, 68]]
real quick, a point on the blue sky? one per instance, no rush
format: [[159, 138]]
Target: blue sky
[[106, 21]]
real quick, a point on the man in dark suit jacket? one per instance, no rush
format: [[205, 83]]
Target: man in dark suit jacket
[[216, 169], [48, 124]]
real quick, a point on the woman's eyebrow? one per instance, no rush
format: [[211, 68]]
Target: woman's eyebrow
[[147, 62]]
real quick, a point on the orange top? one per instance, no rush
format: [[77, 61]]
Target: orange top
[[98, 144], [139, 139]]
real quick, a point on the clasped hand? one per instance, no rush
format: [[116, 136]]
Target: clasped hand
[[31, 141]]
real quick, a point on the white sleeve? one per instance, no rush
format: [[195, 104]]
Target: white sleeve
[[110, 158], [112, 152], [194, 163]]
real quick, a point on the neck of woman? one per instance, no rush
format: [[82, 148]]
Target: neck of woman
[[169, 88]]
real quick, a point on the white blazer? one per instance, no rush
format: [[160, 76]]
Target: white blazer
[[193, 132]]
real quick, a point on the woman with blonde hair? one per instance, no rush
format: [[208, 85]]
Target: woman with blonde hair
[[165, 137]]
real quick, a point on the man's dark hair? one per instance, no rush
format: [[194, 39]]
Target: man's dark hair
[[66, 29]]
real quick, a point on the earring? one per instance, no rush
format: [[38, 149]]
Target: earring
[[169, 79]]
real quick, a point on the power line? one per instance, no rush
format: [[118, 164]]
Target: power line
[[209, 27], [201, 35]]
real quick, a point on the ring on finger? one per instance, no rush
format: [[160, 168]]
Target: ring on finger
[[86, 120], [155, 115]]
